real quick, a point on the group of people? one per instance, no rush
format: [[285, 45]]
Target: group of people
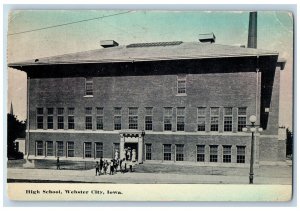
[[105, 167]]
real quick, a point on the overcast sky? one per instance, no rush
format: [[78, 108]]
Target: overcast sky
[[275, 32]]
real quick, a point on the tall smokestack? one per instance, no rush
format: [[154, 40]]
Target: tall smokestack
[[252, 33]]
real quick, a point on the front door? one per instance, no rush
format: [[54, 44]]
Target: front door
[[132, 151]]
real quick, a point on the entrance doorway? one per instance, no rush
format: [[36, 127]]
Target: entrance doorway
[[132, 151]]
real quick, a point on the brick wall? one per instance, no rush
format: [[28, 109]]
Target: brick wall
[[157, 91]]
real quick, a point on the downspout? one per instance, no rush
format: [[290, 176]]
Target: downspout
[[257, 89], [28, 119]]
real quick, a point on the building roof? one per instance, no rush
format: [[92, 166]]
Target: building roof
[[149, 52]]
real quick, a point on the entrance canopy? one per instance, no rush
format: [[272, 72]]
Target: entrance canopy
[[132, 136]]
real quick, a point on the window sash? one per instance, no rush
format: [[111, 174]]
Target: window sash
[[88, 110], [213, 150], [201, 123], [50, 122], [149, 111], [59, 148], [89, 86], [49, 148], [133, 111], [228, 111], [88, 122], [87, 149], [40, 111], [133, 122], [228, 123], [201, 111], [148, 123], [40, 122], [99, 150], [148, 152], [117, 111], [60, 122], [70, 149], [242, 122], [39, 148], [71, 111], [99, 111], [168, 111], [181, 84], [71, 122], [242, 111], [99, 121]]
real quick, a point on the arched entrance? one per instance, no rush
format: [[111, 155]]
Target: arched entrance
[[131, 145]]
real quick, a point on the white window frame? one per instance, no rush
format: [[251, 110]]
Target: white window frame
[[202, 116], [241, 115], [226, 115], [218, 116], [86, 83], [68, 149], [148, 115], [181, 78], [71, 115], [36, 148], [165, 108], [84, 149], [178, 108]]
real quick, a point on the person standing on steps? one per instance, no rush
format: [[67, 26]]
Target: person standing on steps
[[97, 168], [101, 165]]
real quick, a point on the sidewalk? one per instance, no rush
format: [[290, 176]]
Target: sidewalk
[[88, 176]]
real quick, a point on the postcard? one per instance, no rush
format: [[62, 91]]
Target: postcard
[[132, 105]]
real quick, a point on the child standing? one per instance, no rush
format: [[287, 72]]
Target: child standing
[[97, 168]]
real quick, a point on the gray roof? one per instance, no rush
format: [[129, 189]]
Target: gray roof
[[149, 52]]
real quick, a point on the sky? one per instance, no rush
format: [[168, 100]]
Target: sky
[[275, 32]]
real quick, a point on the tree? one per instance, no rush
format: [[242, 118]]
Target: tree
[[289, 142], [15, 129]]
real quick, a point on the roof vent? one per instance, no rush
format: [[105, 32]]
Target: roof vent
[[108, 43], [153, 44], [205, 38]]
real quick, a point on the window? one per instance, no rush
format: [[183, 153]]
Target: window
[[133, 118], [88, 118], [98, 150], [117, 118], [50, 118], [201, 118], [200, 153], [148, 152], [179, 152], [213, 153], [99, 118], [70, 149], [226, 154], [71, 121], [181, 84], [240, 155], [148, 118], [242, 118], [40, 118], [87, 149], [227, 119], [167, 151], [88, 86], [60, 118], [180, 119], [49, 148], [214, 119], [59, 148], [167, 119], [39, 148]]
